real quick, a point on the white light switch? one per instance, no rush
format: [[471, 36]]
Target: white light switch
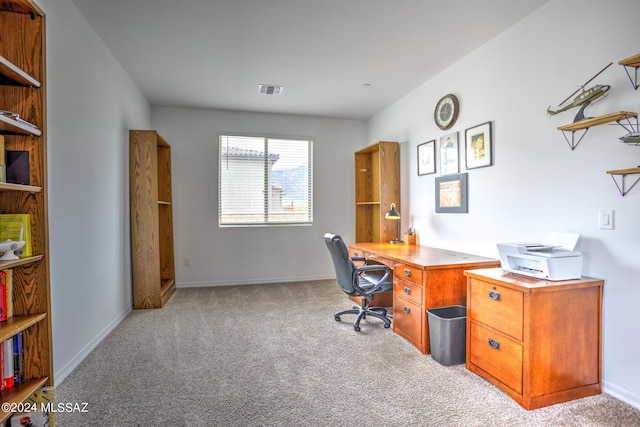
[[605, 219]]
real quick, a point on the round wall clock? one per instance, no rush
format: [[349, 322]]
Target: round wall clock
[[446, 112]]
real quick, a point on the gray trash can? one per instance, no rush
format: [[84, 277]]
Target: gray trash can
[[447, 334]]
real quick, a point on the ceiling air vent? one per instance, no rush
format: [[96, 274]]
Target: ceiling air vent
[[270, 89]]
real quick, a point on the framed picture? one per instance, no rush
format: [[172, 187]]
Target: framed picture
[[478, 146], [451, 193], [427, 158], [449, 154]]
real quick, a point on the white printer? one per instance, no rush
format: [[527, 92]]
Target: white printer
[[552, 260]]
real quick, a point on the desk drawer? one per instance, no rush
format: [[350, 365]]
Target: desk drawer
[[496, 354], [408, 273], [407, 320], [407, 290], [496, 306], [353, 252]]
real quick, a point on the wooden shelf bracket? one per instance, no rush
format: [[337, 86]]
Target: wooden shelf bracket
[[573, 143], [622, 185], [633, 62]]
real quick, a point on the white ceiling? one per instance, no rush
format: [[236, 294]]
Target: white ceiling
[[215, 53]]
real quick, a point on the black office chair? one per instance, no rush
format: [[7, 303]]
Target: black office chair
[[364, 281]]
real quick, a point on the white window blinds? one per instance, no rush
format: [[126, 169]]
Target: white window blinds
[[264, 181]]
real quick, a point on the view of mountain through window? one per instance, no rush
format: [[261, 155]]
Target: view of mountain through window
[[264, 181]]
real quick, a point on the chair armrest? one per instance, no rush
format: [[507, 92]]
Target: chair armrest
[[381, 279], [373, 267]]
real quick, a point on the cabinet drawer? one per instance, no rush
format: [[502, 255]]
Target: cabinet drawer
[[407, 320], [496, 306], [408, 273], [496, 354], [407, 290]]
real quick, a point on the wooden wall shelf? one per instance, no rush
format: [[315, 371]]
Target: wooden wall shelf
[[632, 62], [619, 117], [622, 173]]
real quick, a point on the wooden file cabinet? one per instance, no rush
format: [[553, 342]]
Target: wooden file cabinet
[[539, 341]]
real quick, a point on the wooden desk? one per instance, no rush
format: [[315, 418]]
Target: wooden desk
[[539, 341], [423, 278]]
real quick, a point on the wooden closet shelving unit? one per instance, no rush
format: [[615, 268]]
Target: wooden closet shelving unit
[[23, 92], [151, 219]]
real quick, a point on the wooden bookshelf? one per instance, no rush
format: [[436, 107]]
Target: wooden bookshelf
[[377, 186], [151, 219], [23, 92]]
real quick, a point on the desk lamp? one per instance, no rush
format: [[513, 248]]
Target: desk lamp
[[395, 215]]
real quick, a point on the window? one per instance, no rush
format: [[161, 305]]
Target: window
[[264, 181]]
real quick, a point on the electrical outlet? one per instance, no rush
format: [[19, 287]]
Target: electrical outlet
[[187, 261]]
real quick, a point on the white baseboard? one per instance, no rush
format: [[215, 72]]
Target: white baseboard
[[63, 372], [621, 394], [250, 282]]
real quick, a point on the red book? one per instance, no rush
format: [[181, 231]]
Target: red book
[[3, 296]]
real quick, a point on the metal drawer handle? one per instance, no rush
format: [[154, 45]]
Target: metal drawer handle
[[407, 310], [407, 272], [494, 344], [407, 291], [494, 295]]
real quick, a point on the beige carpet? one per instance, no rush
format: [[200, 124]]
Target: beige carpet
[[272, 355]]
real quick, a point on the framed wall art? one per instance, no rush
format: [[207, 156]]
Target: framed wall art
[[427, 158], [478, 146], [451, 193], [449, 154]]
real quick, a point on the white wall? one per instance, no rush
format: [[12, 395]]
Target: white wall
[[92, 103], [223, 256], [537, 184]]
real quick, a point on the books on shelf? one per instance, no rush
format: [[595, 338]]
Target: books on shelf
[[17, 167], [18, 359], [11, 362], [10, 226], [7, 371], [27, 419], [6, 294], [44, 412], [3, 168]]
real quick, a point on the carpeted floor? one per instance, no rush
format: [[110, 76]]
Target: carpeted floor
[[272, 355]]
